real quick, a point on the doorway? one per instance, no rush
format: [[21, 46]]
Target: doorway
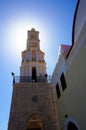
[[34, 74], [34, 125], [72, 126], [35, 122]]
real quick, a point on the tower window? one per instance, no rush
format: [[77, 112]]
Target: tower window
[[32, 36], [58, 91], [63, 81], [33, 55], [34, 74]]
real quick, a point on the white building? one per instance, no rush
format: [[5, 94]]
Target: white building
[[69, 76]]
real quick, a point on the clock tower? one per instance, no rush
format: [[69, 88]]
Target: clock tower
[[33, 105]]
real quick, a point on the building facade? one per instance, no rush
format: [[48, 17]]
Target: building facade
[[33, 104], [69, 75]]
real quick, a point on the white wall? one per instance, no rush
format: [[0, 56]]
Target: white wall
[[73, 99], [80, 19]]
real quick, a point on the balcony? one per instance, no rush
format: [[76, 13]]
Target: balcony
[[27, 79], [33, 60]]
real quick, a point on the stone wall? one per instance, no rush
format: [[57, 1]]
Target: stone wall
[[30, 99]]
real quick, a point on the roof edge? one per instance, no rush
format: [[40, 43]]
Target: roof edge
[[73, 27]]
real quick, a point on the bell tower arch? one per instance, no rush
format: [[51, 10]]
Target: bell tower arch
[[33, 64], [35, 122], [34, 74]]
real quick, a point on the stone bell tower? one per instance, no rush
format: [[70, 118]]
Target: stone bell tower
[[33, 105], [33, 63]]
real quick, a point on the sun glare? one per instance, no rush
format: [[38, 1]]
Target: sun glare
[[18, 36]]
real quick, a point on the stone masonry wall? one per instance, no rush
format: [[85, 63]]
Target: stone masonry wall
[[29, 99]]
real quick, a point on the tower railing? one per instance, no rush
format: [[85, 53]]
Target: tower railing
[[27, 79], [33, 59]]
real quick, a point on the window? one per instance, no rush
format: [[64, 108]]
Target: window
[[63, 82], [58, 91], [33, 55], [34, 74]]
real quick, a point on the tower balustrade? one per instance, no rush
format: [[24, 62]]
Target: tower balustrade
[[27, 79]]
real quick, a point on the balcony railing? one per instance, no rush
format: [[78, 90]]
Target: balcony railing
[[33, 59], [26, 79]]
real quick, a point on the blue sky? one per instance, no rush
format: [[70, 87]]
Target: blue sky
[[52, 18]]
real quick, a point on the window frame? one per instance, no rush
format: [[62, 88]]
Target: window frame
[[58, 90], [63, 81]]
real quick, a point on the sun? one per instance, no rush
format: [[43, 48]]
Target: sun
[[17, 36]]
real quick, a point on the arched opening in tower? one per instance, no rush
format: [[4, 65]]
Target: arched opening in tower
[[72, 126], [34, 126], [34, 74], [35, 122]]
